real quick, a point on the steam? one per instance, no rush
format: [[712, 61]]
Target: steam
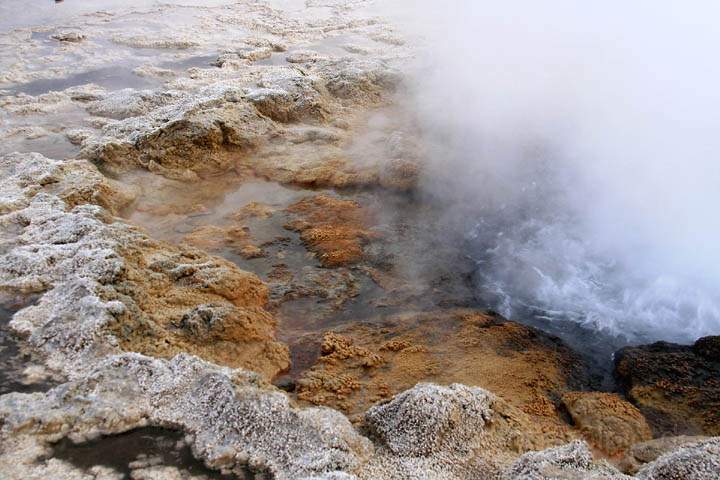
[[576, 146]]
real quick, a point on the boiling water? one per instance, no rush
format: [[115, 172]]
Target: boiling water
[[578, 145]]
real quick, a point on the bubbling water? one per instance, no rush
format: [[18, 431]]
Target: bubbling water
[[576, 144]]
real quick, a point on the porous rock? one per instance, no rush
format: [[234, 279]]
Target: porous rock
[[698, 461], [216, 125], [569, 462], [646, 452], [233, 419], [429, 417]]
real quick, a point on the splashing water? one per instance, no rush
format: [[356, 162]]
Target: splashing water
[[576, 146]]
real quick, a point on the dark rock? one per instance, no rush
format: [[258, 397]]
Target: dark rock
[[708, 347], [677, 387]]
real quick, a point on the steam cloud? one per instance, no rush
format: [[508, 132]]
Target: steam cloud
[[577, 146]]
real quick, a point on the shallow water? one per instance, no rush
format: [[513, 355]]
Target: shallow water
[[16, 14], [111, 78], [200, 61], [51, 140], [14, 356], [131, 451]]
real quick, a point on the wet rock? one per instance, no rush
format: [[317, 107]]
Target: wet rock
[[571, 461], [70, 36], [609, 422], [698, 461], [677, 387], [646, 452], [303, 56]]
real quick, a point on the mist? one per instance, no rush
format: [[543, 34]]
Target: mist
[[574, 147]]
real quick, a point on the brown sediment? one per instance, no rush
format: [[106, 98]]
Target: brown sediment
[[606, 420], [253, 210], [334, 229], [234, 237], [367, 362]]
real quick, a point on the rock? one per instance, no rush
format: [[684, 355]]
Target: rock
[[230, 125], [399, 174], [126, 103], [571, 461], [356, 49], [677, 387], [253, 54], [169, 41], [170, 139], [362, 81], [76, 182], [646, 452], [232, 418], [609, 422], [251, 251], [388, 38], [429, 418], [708, 347], [154, 72], [282, 106], [438, 432], [77, 136], [373, 360], [69, 36], [303, 56], [109, 287], [253, 210], [697, 461]]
